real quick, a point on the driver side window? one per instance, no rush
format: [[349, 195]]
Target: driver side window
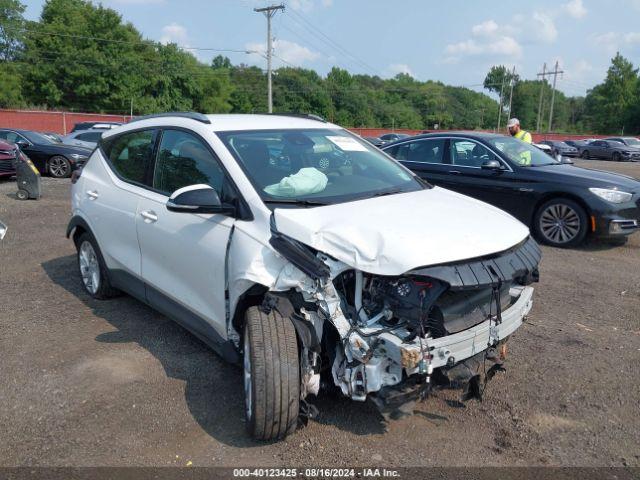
[[183, 160], [467, 153]]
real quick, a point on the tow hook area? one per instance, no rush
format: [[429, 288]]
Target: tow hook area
[[470, 375]]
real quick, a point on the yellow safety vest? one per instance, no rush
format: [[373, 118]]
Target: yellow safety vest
[[524, 136]]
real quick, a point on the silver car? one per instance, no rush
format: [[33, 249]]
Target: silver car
[[84, 138]]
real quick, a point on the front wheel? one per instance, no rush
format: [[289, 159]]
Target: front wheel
[[585, 155], [617, 157], [271, 375], [561, 223], [59, 167]]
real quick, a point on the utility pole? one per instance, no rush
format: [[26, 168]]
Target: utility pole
[[513, 81], [500, 104], [131, 116], [553, 92], [269, 12], [544, 72]]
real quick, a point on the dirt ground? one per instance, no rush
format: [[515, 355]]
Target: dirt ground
[[87, 383]]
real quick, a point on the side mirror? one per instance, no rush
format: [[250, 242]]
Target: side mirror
[[494, 165], [198, 199], [22, 144]]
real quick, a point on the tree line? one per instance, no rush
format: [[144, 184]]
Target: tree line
[[83, 57]]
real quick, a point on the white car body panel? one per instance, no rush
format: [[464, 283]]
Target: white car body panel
[[112, 215], [391, 235]]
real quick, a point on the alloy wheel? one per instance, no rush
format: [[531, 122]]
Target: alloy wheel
[[59, 167], [89, 267], [559, 223]]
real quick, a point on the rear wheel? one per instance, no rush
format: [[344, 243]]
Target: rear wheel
[[93, 271], [271, 375], [59, 167], [561, 222], [585, 154]]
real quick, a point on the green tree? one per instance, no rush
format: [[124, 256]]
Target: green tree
[[11, 29], [610, 106]]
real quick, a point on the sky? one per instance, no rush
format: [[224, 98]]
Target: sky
[[453, 41]]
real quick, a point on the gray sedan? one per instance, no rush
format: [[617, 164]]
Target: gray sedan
[[84, 138]]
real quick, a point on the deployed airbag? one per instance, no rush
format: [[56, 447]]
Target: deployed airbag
[[305, 182]]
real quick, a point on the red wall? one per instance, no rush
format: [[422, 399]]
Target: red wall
[[54, 122], [63, 122]]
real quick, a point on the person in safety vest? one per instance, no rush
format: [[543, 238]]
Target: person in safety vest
[[516, 132]]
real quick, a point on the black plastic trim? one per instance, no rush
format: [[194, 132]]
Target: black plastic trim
[[520, 262], [199, 117]]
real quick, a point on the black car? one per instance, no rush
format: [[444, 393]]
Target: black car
[[561, 203], [392, 137], [628, 141], [560, 148], [610, 150], [48, 156], [88, 125], [375, 141]]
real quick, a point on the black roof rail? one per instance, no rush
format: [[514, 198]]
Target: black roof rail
[[191, 115], [309, 116]]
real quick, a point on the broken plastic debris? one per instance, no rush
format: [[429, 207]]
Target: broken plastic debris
[[305, 182]]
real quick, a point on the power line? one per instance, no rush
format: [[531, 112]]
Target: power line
[[322, 36]]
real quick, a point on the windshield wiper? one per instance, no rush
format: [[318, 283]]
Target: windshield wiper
[[287, 201], [384, 194]]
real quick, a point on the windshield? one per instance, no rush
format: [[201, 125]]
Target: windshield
[[316, 166], [634, 142], [521, 153]]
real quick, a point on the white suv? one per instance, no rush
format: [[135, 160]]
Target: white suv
[[293, 246]]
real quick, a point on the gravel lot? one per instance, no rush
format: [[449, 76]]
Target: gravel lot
[[88, 383]]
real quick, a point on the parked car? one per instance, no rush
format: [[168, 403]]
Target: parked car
[[562, 204], [53, 136], [560, 148], [84, 138], [392, 137], [375, 141], [610, 150], [94, 125], [8, 152], [49, 157], [312, 263], [628, 141], [543, 147]]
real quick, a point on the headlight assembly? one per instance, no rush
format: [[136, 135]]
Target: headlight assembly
[[613, 196]]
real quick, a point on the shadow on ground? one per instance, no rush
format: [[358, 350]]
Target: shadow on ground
[[213, 388]]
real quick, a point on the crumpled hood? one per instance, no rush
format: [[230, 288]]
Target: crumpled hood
[[394, 234]]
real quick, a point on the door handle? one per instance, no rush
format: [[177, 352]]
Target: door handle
[[93, 194], [149, 216], [455, 172]]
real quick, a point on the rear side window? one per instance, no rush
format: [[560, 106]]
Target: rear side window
[[131, 154], [184, 160], [422, 151], [90, 137]]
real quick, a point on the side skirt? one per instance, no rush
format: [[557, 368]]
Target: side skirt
[[190, 321]]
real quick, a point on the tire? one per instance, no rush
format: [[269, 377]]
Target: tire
[[59, 167], [22, 194], [271, 374], [585, 154], [617, 157], [93, 272], [561, 222]]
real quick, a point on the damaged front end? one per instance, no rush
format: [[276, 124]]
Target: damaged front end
[[394, 338]]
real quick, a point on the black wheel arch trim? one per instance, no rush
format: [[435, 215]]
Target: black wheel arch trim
[[75, 222]]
